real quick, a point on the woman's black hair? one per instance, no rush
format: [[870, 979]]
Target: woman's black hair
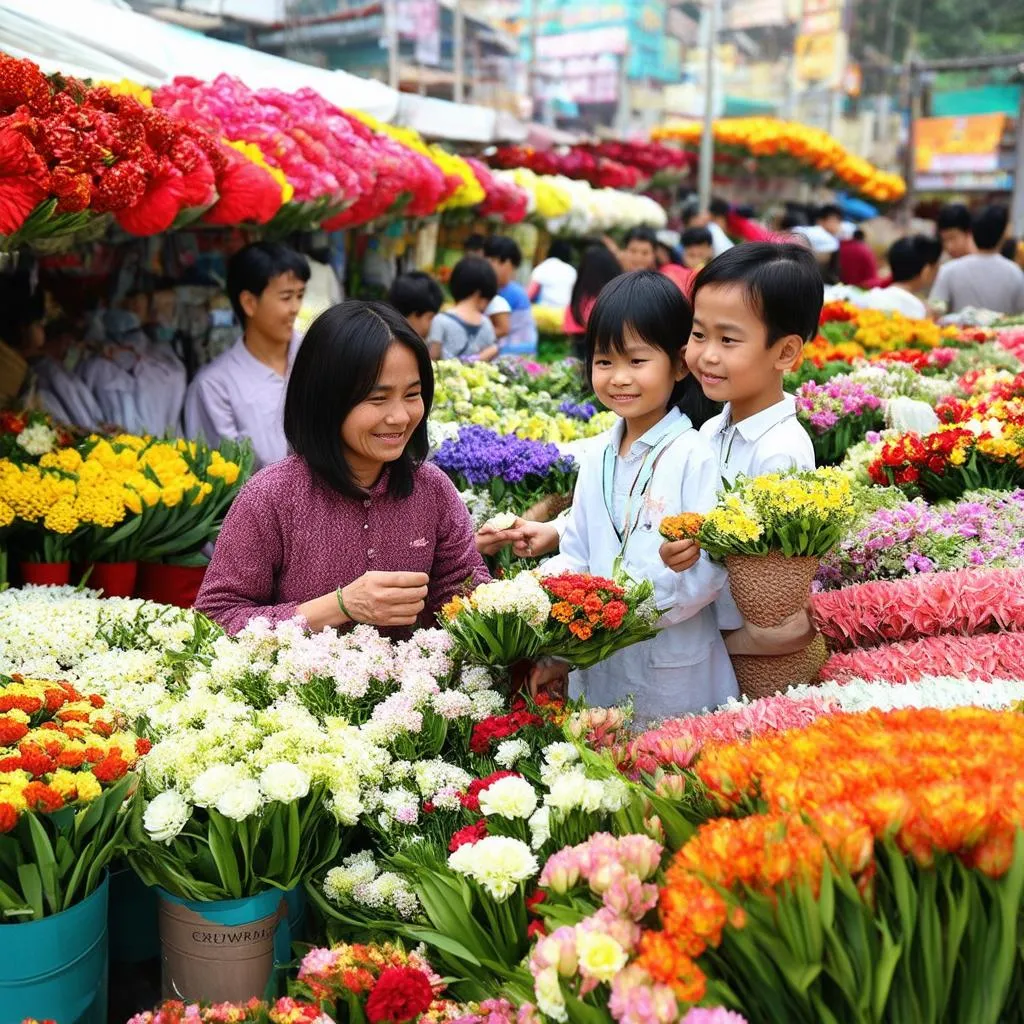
[[597, 268], [782, 282], [473, 275], [654, 309], [337, 365]]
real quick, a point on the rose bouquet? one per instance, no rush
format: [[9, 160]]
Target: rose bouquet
[[837, 415], [574, 617], [65, 764]]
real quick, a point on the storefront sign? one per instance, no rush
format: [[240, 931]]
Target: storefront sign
[[947, 145]]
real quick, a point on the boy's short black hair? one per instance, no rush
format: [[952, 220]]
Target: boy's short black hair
[[989, 227], [415, 293], [560, 250], [640, 234], [475, 243], [782, 283], [792, 220], [696, 236], [254, 266], [473, 275], [954, 216], [719, 207], [909, 256], [828, 210], [502, 248]]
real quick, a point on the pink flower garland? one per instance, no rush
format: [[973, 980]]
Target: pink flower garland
[[968, 602], [985, 657]]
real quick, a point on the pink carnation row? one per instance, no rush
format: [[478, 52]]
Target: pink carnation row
[[676, 742], [967, 602], [1012, 339], [985, 657]]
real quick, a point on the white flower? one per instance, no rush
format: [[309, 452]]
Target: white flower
[[548, 990], [511, 797], [37, 439], [572, 790], [498, 863], [600, 956], [510, 751], [452, 704], [485, 704], [166, 815], [211, 785], [284, 782], [522, 596], [540, 827], [502, 521], [241, 801], [558, 757], [476, 678]]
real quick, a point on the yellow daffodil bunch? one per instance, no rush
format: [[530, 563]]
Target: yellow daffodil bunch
[[549, 319], [797, 513]]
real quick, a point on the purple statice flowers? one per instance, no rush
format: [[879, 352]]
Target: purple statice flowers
[[985, 529], [824, 405]]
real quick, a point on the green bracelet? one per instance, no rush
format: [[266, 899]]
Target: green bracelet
[[344, 611]]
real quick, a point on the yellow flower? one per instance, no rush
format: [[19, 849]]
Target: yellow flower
[[88, 787], [600, 956], [61, 517]]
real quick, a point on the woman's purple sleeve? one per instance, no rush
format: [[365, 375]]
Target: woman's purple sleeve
[[239, 583]]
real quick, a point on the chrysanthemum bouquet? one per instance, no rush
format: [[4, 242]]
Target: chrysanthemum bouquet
[[575, 617], [796, 514], [65, 761]]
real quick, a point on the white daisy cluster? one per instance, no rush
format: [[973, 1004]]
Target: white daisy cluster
[[360, 881]]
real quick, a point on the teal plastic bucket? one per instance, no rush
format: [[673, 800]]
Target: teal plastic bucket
[[56, 968], [133, 919], [221, 951], [292, 929]]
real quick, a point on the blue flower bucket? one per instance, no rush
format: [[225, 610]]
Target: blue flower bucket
[[292, 929], [220, 951], [56, 968], [132, 920]]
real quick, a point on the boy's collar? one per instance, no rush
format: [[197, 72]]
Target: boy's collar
[[756, 426]]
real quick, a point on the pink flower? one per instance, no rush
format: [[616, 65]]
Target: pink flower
[[718, 1015]]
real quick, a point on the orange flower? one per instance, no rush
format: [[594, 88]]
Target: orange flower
[[562, 611], [681, 527], [581, 630]]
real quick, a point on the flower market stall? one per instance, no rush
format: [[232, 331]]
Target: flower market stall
[[350, 827]]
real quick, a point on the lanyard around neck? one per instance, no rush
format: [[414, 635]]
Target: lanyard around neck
[[641, 482]]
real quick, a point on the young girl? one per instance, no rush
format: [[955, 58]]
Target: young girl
[[651, 464]]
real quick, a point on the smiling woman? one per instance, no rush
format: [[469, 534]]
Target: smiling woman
[[353, 526]]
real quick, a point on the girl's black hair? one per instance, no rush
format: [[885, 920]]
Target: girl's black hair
[[597, 268], [473, 275], [337, 365], [654, 308]]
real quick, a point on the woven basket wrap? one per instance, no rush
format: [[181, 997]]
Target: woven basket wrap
[[768, 589], [548, 508], [764, 676]]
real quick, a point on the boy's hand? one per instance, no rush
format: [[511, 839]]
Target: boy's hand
[[680, 555]]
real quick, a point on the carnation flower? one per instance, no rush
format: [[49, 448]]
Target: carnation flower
[[511, 797], [510, 751], [165, 816], [208, 788], [400, 994], [284, 782], [498, 863], [240, 801], [600, 956]]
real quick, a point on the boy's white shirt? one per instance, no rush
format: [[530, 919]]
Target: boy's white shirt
[[686, 479], [771, 441]]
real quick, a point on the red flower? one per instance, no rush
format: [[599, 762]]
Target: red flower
[[498, 728], [537, 897], [401, 994], [119, 187], [35, 761], [24, 180], [143, 746], [8, 817], [536, 930], [614, 613], [41, 797], [111, 768], [156, 209], [468, 835], [248, 194], [70, 759], [11, 731]]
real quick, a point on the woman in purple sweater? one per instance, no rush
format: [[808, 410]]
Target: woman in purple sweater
[[354, 526]]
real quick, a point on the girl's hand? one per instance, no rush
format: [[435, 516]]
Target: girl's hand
[[527, 539], [549, 675], [386, 598], [680, 555], [789, 636]]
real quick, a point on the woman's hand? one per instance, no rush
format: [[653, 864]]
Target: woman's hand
[[386, 598], [789, 636], [548, 675], [680, 555], [526, 538]]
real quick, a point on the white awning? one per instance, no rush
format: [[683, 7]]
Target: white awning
[[441, 119], [100, 39]]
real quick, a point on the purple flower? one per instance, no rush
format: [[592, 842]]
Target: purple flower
[[583, 411], [480, 456]]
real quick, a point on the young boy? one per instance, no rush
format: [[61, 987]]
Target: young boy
[[504, 255], [698, 247], [418, 297], [464, 331], [913, 263], [241, 393]]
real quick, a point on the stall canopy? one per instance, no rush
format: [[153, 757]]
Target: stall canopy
[[439, 119], [104, 39]]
